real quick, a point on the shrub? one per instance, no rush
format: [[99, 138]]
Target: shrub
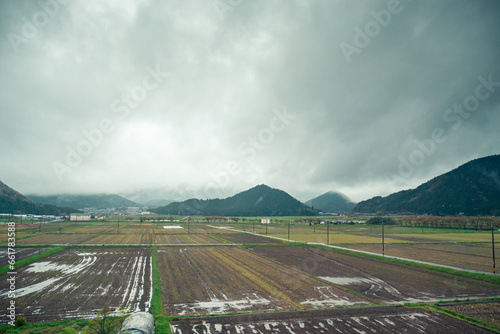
[[21, 321], [381, 221]]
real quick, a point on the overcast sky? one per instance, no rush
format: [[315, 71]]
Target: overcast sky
[[210, 98]]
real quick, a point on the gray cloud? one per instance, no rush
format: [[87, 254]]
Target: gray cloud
[[211, 123]]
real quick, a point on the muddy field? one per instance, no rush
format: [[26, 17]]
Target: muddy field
[[383, 281], [119, 239], [215, 280], [475, 257], [245, 238], [21, 253], [357, 320], [184, 239], [55, 239], [488, 311], [77, 283]]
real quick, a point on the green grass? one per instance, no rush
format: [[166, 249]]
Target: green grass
[[65, 326], [31, 259], [471, 320], [216, 237], [161, 321]]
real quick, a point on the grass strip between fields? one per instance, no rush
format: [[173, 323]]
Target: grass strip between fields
[[162, 322], [63, 326], [31, 259], [434, 307], [216, 237], [467, 274]]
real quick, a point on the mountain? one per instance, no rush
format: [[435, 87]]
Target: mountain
[[471, 189], [332, 202], [101, 201], [258, 201], [12, 201], [156, 197]]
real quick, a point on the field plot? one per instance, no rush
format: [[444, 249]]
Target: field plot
[[215, 280], [462, 256], [78, 283], [245, 238], [193, 228], [21, 253], [354, 320], [184, 239], [470, 236], [378, 279], [135, 229], [488, 311], [55, 239], [118, 239], [90, 229]]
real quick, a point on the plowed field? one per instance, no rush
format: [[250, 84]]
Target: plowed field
[[357, 320], [78, 283], [214, 280], [380, 280], [475, 257]]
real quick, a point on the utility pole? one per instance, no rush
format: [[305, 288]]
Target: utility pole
[[493, 245], [383, 242], [118, 224], [328, 234], [288, 230], [188, 226], [266, 228], [253, 227]]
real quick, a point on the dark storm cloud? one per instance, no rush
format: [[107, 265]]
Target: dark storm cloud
[[217, 122]]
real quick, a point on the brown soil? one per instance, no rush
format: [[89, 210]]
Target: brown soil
[[77, 283], [461, 256], [245, 238], [488, 312], [215, 280], [353, 320], [20, 253], [378, 279]]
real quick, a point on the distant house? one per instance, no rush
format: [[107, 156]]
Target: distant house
[[79, 217]]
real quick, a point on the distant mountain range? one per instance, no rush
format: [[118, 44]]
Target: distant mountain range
[[471, 189], [332, 202], [12, 201], [258, 201], [156, 197], [100, 201]]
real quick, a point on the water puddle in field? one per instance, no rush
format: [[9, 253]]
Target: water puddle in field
[[411, 322], [329, 299], [172, 227], [66, 270], [376, 284], [216, 306]]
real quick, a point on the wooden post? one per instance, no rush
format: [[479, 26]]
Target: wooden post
[[493, 245], [383, 241], [288, 230]]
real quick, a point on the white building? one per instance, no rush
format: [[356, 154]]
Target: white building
[[79, 217]]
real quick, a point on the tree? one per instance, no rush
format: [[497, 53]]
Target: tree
[[102, 324], [381, 221]]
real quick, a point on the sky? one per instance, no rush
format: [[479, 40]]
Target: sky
[[206, 98]]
